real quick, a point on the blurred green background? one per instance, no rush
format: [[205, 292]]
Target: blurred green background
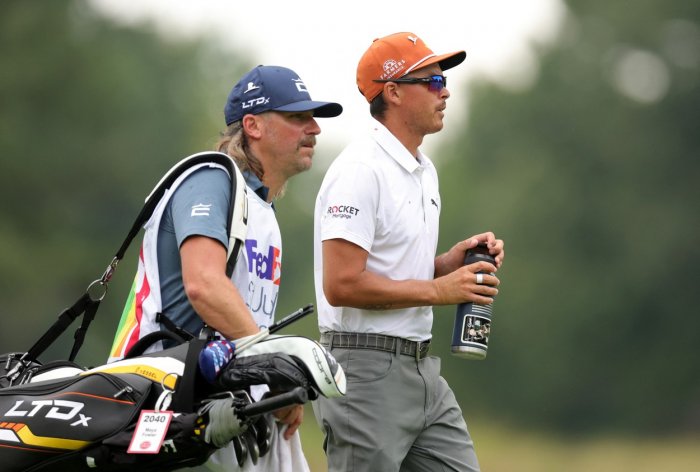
[[590, 175]]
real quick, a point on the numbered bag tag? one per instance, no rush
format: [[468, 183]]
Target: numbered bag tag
[[150, 432]]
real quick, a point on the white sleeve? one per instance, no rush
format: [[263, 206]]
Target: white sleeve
[[349, 198]]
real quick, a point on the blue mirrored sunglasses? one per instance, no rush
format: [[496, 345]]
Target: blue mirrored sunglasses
[[435, 82]]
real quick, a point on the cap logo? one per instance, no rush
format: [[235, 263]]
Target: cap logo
[[273, 88], [251, 87], [300, 85], [255, 102], [413, 39], [392, 67]]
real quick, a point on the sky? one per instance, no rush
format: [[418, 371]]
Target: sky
[[322, 40]]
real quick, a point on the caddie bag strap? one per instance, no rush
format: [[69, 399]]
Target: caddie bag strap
[[89, 302]]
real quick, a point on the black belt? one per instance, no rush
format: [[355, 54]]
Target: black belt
[[377, 342]]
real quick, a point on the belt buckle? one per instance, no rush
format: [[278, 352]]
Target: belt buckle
[[418, 350], [420, 354]]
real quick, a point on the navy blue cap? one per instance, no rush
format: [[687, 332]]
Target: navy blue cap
[[267, 88]]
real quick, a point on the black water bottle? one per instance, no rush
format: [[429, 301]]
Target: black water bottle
[[470, 336]]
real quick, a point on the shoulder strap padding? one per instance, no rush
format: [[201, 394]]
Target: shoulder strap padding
[[237, 224]]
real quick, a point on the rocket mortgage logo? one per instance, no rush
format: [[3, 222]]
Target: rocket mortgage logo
[[342, 211]]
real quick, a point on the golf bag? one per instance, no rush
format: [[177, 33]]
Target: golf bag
[[62, 415], [84, 419]]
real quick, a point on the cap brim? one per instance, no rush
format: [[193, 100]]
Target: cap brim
[[320, 109], [446, 61], [451, 60]]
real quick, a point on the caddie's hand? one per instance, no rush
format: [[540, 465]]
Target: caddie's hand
[[292, 416], [466, 284]]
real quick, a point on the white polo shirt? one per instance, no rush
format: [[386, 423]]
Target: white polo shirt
[[378, 196]]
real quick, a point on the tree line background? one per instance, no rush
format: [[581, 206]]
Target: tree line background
[[590, 175]]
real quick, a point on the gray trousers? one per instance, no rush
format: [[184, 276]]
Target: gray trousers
[[398, 415]]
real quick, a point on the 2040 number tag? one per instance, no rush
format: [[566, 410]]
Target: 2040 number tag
[[150, 432]]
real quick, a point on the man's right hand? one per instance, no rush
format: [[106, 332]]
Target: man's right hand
[[461, 285]]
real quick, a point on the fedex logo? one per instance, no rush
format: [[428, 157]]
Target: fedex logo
[[266, 266]]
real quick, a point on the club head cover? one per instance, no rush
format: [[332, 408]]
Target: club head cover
[[214, 357], [322, 370], [277, 370]]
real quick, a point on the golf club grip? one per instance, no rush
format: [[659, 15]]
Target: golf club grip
[[266, 405], [291, 318]]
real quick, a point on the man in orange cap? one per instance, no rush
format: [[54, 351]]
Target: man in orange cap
[[377, 275]]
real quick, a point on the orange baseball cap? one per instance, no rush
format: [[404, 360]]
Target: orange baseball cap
[[394, 56]]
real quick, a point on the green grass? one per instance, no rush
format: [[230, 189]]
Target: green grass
[[501, 449]]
